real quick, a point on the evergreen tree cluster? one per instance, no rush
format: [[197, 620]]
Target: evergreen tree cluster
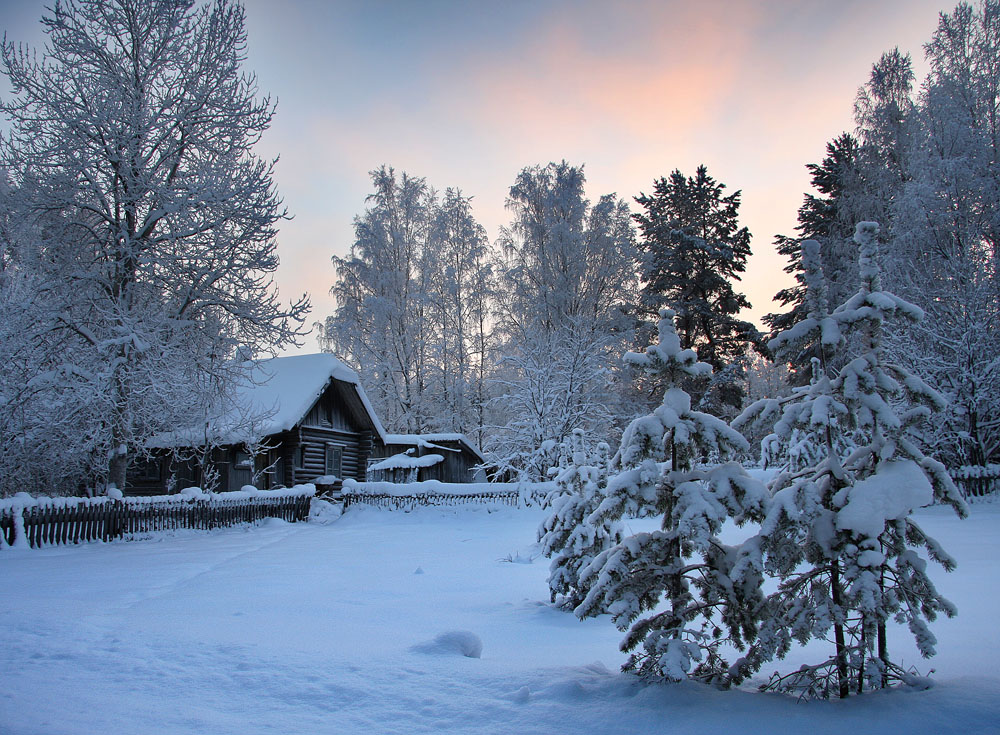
[[833, 529]]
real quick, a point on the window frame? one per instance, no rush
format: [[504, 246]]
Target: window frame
[[333, 460]]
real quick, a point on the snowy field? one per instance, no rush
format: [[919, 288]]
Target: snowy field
[[310, 628]]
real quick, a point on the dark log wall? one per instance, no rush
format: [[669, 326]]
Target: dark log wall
[[330, 413], [457, 467], [314, 440]]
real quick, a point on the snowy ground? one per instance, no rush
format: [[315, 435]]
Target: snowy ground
[[308, 628]]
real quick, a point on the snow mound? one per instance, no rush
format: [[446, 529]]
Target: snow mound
[[405, 461], [323, 512], [453, 642], [892, 493], [521, 696]]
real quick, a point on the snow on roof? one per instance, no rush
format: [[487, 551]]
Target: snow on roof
[[406, 461], [426, 441], [276, 396]]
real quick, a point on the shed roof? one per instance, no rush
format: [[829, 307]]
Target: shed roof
[[428, 441]]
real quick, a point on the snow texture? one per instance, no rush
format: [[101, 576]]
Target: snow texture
[[406, 461], [455, 642], [436, 487], [288, 628], [433, 441]]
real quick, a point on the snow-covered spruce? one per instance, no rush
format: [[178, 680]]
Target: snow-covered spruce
[[567, 535], [705, 593], [839, 535]]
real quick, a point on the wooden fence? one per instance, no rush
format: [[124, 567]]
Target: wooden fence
[[976, 481], [72, 523], [409, 502]]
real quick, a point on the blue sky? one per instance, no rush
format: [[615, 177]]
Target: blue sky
[[468, 93]]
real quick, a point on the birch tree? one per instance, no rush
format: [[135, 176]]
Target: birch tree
[[566, 280]]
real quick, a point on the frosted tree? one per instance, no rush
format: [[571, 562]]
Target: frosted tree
[[130, 153], [459, 284], [567, 536], [839, 535], [543, 387], [884, 113], [946, 259], [700, 593], [380, 322], [565, 280], [413, 306]]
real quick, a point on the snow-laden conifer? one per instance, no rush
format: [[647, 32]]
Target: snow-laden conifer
[[839, 534], [568, 536], [700, 592]]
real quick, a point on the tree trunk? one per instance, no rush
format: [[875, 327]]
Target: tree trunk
[[843, 679], [118, 459], [883, 645]]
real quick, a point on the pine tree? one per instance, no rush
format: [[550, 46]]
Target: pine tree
[[695, 249], [567, 536], [829, 218], [705, 593], [839, 534]]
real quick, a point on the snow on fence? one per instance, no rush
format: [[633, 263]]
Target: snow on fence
[[409, 495], [34, 522], [976, 481]]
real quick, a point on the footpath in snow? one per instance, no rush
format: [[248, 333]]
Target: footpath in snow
[[435, 621]]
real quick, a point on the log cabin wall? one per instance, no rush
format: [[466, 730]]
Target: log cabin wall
[[330, 423], [289, 458]]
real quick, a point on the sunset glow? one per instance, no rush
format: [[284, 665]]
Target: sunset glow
[[467, 94]]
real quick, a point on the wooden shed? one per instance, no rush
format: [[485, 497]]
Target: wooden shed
[[297, 419], [419, 457]]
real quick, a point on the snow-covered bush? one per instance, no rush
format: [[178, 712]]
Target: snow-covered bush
[[839, 535], [567, 535], [704, 592]]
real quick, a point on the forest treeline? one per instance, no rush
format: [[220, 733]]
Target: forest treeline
[[519, 341]]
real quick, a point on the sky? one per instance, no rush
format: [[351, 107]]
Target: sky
[[466, 94]]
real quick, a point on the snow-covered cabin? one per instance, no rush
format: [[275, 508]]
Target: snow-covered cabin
[[419, 457], [296, 419]]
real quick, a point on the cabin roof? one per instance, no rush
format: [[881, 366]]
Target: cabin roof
[[427, 441], [276, 396]]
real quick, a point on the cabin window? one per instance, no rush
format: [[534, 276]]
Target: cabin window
[[243, 460], [334, 460], [299, 458]]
